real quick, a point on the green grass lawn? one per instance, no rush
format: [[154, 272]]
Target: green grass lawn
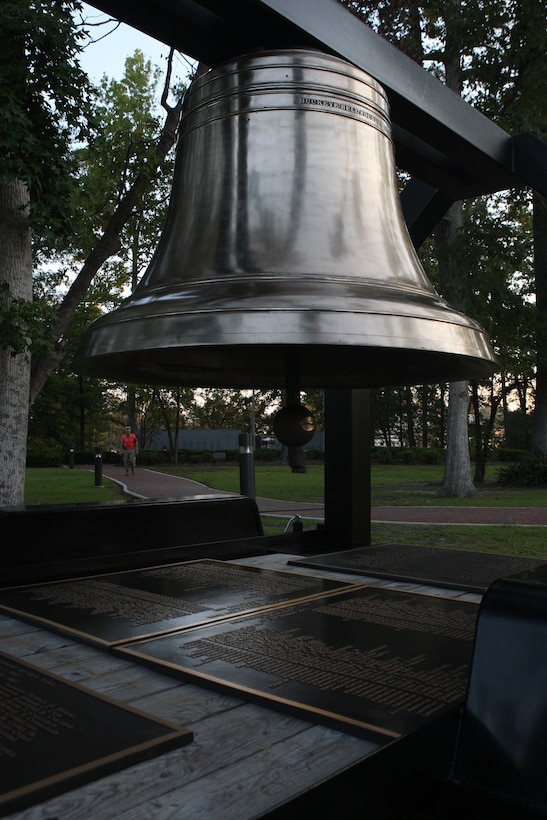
[[398, 485], [270, 481], [57, 485], [393, 484], [504, 539]]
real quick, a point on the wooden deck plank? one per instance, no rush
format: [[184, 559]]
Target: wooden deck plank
[[31, 642], [273, 776], [186, 703]]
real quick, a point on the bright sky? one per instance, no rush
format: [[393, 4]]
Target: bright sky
[[108, 55]]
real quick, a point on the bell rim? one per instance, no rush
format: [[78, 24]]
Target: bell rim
[[176, 367]]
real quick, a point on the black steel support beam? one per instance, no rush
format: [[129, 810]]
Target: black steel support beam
[[530, 161], [423, 207]]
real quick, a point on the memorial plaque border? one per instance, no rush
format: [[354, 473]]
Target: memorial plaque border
[[156, 653], [89, 628], [79, 710]]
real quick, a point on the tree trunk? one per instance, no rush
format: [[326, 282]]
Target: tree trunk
[[480, 441], [442, 415], [458, 484], [425, 416], [16, 272], [539, 419], [131, 391], [457, 472], [82, 415], [410, 418]]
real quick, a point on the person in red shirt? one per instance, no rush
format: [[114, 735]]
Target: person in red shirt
[[130, 449]]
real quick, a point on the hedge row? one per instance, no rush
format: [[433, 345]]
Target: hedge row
[[435, 455], [58, 457], [380, 455], [407, 455]]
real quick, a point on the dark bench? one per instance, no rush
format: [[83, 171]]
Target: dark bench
[[54, 542], [501, 755]]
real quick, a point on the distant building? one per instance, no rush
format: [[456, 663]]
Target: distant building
[[218, 440]]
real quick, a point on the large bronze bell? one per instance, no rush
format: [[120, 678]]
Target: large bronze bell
[[285, 236]]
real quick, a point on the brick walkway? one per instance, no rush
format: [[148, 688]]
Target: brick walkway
[[151, 484]]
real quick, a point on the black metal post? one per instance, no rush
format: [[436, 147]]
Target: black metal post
[[71, 458], [292, 375], [246, 467], [347, 468], [98, 468]]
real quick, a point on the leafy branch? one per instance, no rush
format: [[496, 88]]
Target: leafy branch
[[22, 325], [109, 243]]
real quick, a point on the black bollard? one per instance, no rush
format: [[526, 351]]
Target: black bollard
[[98, 468], [71, 458], [246, 467]]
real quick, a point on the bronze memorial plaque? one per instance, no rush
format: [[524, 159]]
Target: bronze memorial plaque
[[55, 735], [374, 662], [454, 569], [109, 609]]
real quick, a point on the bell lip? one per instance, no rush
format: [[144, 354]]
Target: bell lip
[[231, 299], [322, 366], [432, 339]]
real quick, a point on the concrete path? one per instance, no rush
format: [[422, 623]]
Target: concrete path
[[151, 484]]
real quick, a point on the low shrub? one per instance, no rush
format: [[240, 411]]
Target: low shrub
[[109, 457], [506, 454], [149, 457], [531, 472], [408, 455], [382, 455], [267, 455], [315, 454], [45, 458], [81, 457], [430, 455], [200, 457]]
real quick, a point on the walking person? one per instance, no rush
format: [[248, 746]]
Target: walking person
[[130, 449]]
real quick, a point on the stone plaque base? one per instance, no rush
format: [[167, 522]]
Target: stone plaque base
[[114, 608], [373, 662], [454, 569], [55, 735]]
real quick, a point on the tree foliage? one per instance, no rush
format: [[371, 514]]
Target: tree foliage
[[127, 210], [492, 52], [44, 95]]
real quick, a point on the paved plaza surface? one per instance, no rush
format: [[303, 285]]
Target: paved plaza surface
[[150, 484]]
